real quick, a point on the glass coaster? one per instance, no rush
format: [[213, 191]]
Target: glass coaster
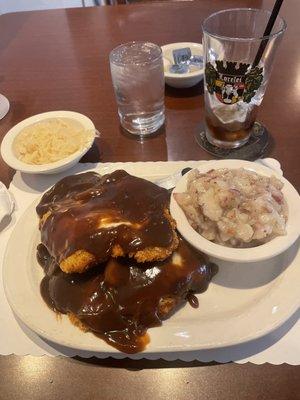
[[255, 148]]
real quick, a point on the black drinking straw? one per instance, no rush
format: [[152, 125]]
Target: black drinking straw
[[267, 31]]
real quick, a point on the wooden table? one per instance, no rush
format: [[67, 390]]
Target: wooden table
[[58, 60]]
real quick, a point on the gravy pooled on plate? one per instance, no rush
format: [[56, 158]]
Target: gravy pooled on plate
[[120, 299]]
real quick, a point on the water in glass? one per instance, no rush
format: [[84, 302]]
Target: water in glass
[[138, 80]]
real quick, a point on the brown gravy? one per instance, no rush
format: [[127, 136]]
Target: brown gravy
[[88, 213], [120, 299]]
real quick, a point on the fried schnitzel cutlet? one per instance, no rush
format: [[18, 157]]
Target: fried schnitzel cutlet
[[86, 218]]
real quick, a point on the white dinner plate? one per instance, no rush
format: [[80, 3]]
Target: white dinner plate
[[244, 301]]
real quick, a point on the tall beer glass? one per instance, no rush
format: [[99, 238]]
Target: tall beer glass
[[236, 74]]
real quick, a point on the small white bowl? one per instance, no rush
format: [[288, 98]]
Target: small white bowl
[[9, 157], [188, 79], [253, 254]]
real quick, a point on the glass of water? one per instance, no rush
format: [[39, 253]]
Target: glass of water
[[138, 80], [238, 64]]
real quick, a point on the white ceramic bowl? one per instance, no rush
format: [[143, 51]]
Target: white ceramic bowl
[[181, 80], [253, 254], [51, 168]]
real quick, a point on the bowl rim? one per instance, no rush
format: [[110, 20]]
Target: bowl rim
[[187, 74], [7, 142], [263, 252]]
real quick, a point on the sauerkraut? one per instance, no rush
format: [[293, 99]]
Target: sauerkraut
[[234, 207], [50, 140]]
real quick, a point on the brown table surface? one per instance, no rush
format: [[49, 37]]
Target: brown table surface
[[58, 60]]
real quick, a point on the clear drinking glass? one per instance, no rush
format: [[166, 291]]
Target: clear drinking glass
[[236, 76], [138, 80]]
